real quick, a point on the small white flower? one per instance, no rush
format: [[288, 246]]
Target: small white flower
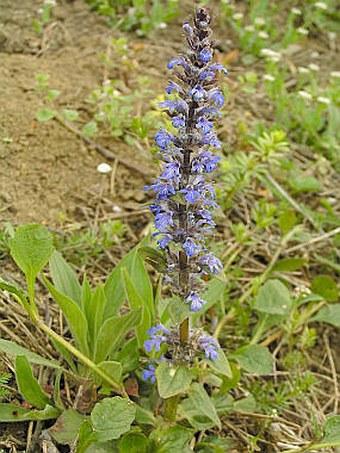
[[238, 16], [332, 35], [270, 54], [323, 100], [40, 10], [116, 208], [104, 168], [302, 31], [162, 25], [268, 78], [302, 70], [116, 93], [305, 95], [314, 55], [314, 67], [250, 28], [321, 5], [263, 35], [296, 11], [259, 21], [225, 2], [107, 82], [50, 2], [335, 74]]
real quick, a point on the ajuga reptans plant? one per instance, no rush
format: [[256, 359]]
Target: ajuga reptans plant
[[184, 193]]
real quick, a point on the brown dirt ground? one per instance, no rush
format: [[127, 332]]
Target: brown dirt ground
[[46, 171]]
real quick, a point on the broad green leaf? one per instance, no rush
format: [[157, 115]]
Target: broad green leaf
[[64, 277], [31, 249], [212, 295], [173, 308], [301, 182], [112, 369], [128, 355], [287, 220], [135, 301], [73, 314], [28, 385], [331, 431], [223, 402], [114, 286], [199, 409], [174, 439], [255, 358], [247, 404], [113, 332], [329, 314], [13, 349], [144, 417], [52, 94], [111, 418], [326, 287], [133, 443], [45, 114], [153, 257], [221, 364], [289, 264], [172, 379], [273, 298], [215, 444], [90, 129], [65, 429], [70, 115], [10, 413]]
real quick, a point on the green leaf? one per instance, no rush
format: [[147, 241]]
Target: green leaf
[[300, 182], [17, 292], [64, 277], [65, 429], [174, 439], [111, 418], [247, 404], [13, 349], [52, 94], [128, 355], [198, 409], [172, 379], [289, 264], [113, 332], [287, 220], [223, 403], [144, 417], [90, 129], [135, 301], [212, 295], [31, 249], [215, 444], [112, 369], [11, 413], [133, 443], [94, 313], [70, 115], [153, 257], [273, 298], [331, 431], [114, 286], [326, 287], [29, 387], [255, 358], [45, 114], [329, 314], [221, 364], [74, 316]]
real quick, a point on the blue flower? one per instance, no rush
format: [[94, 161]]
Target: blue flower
[[191, 194], [171, 170], [206, 55], [196, 303], [162, 189], [176, 105], [178, 121], [198, 93], [164, 241], [209, 160], [204, 125], [149, 375], [177, 62], [213, 263], [210, 346], [163, 138], [163, 220], [211, 139], [158, 336], [218, 67], [216, 96], [190, 247], [172, 86], [188, 29]]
